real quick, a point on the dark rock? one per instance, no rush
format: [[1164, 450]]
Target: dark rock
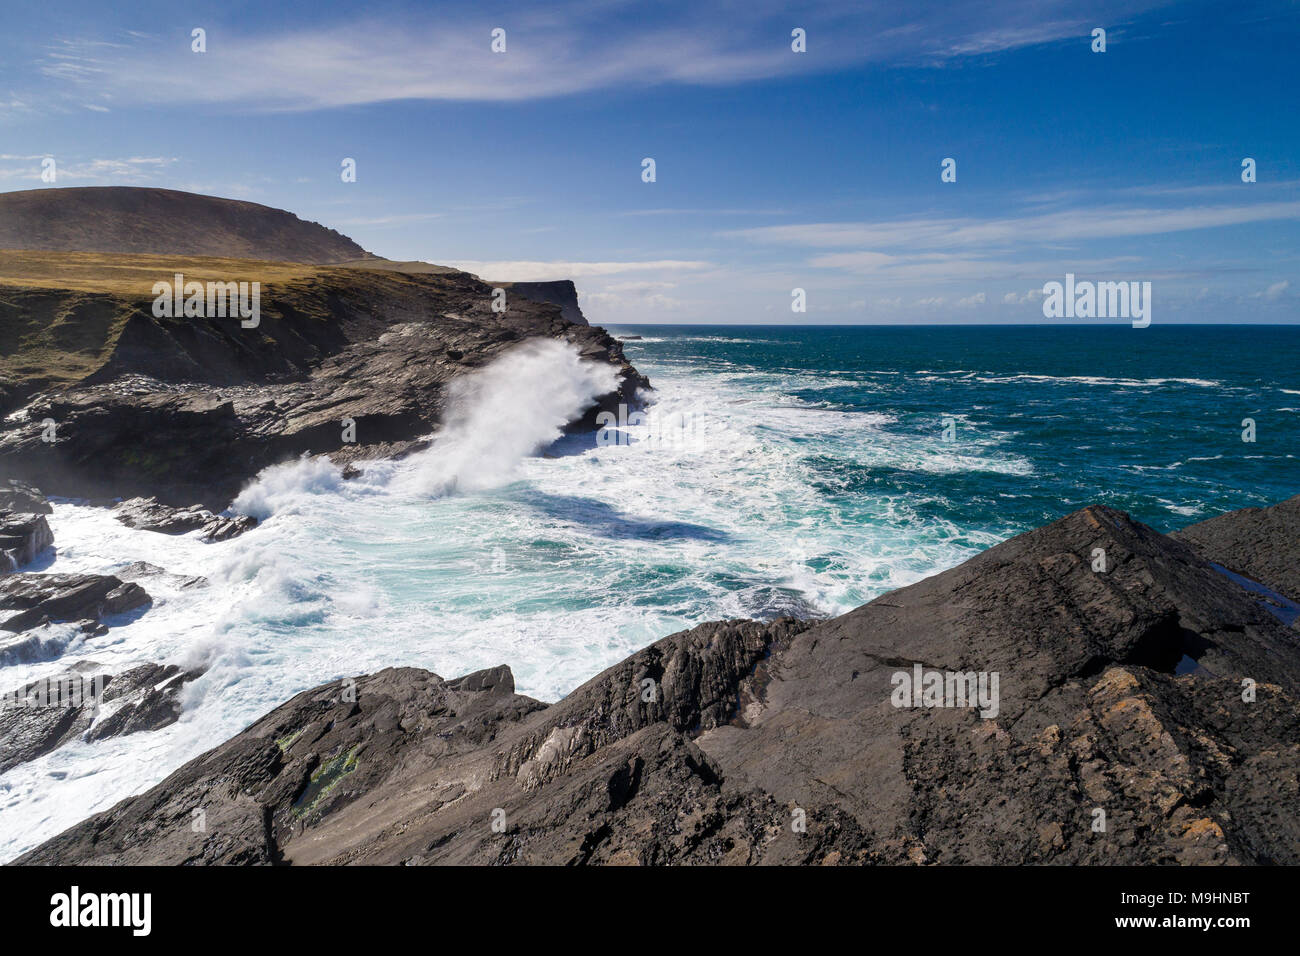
[[559, 292], [44, 715], [147, 514], [143, 698], [28, 600], [222, 528], [22, 538], [747, 742], [189, 410], [22, 498], [1258, 543]]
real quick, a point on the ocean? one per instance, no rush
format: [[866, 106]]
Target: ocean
[[782, 470]]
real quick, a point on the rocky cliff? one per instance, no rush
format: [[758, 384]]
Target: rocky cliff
[[1146, 710], [107, 400]]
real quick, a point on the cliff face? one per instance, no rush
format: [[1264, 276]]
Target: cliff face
[[1145, 713], [131, 219], [186, 409], [561, 292]]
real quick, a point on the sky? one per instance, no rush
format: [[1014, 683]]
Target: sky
[[774, 170]]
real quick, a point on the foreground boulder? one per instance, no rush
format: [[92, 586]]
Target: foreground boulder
[[86, 703], [1146, 713]]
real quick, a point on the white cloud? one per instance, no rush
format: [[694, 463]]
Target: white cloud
[[132, 170], [1065, 226], [1273, 292], [395, 220], [536, 271], [555, 50]]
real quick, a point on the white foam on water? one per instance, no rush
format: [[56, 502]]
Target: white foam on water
[[511, 409], [479, 552]]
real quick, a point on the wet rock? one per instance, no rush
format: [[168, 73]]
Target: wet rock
[[1257, 543], [22, 538], [141, 699], [86, 703], [223, 528], [1120, 732], [28, 600], [22, 498], [146, 514]]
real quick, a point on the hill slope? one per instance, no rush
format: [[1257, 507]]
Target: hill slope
[[129, 219]]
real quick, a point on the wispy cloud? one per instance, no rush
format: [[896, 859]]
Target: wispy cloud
[[536, 271], [1273, 292], [1070, 225], [394, 220], [132, 170], [553, 51]]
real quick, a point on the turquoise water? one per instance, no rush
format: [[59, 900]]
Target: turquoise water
[[781, 471], [1147, 420]]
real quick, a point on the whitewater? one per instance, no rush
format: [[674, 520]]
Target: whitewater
[[755, 488]]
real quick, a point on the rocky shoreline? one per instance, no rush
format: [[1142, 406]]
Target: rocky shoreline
[[352, 363], [1091, 692], [1148, 712]]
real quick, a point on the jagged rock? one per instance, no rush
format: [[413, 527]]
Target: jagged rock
[[559, 292], [146, 514], [22, 538], [22, 498], [222, 528], [785, 742], [28, 600], [189, 410], [141, 570], [140, 699], [87, 703]]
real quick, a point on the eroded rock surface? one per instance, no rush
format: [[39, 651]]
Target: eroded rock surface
[[87, 703], [1122, 732], [22, 498], [146, 514], [22, 538], [187, 410], [1259, 543], [28, 600]]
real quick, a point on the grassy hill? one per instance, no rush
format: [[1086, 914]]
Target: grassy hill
[[129, 219]]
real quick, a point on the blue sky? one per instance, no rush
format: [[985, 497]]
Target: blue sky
[[775, 169]]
